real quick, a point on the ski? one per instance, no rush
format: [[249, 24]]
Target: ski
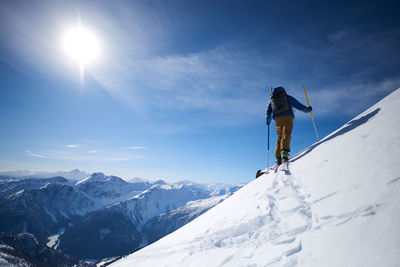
[[284, 166], [275, 167]]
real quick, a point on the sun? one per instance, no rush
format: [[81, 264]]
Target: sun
[[82, 45]]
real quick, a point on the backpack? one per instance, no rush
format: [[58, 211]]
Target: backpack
[[279, 102]]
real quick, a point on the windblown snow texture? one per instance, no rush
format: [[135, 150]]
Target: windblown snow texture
[[339, 206]]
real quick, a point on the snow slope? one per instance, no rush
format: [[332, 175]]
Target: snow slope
[[339, 206]]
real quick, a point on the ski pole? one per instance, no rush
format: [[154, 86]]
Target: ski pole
[[268, 150], [312, 117], [270, 93]]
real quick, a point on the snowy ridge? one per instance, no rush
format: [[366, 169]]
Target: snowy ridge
[[213, 189], [159, 199], [87, 218], [339, 206], [95, 177]]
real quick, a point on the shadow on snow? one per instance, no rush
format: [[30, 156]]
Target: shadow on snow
[[347, 128]]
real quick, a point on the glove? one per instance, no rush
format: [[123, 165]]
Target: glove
[[309, 109], [268, 120]]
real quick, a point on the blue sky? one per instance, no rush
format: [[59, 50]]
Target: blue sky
[[179, 89]]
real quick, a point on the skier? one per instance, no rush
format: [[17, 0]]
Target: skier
[[281, 110]]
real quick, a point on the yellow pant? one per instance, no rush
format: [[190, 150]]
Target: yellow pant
[[284, 127]]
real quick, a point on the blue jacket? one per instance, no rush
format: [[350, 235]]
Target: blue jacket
[[292, 103]]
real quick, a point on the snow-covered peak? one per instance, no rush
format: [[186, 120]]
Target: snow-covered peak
[[75, 174], [161, 182], [159, 199], [137, 180], [95, 177], [213, 189], [338, 206]]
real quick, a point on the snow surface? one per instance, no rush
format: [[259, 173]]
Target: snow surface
[[338, 206], [95, 177], [54, 241]]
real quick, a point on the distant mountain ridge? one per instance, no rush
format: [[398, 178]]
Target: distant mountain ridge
[[112, 216], [75, 174]]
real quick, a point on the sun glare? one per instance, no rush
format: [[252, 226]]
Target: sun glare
[[81, 45]]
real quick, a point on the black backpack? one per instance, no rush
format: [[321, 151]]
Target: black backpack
[[279, 102]]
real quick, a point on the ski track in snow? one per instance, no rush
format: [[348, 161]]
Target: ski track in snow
[[278, 230], [288, 216], [291, 214]]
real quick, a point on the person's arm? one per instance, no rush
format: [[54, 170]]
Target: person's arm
[[296, 104], [269, 113]]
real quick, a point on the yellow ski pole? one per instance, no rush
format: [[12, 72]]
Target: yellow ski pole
[[312, 117]]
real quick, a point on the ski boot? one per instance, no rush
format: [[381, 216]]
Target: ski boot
[[285, 155]]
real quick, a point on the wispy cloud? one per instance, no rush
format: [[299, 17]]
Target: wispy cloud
[[220, 85], [75, 156], [225, 85], [132, 147], [348, 73], [93, 152], [352, 98], [73, 146], [92, 159], [217, 84], [30, 153]]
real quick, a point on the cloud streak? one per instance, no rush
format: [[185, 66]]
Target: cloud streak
[[216, 85], [30, 153], [73, 146], [222, 85], [226, 83], [132, 147], [65, 155], [351, 98], [93, 152]]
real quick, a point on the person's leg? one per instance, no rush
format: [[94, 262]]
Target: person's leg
[[287, 127], [279, 129]]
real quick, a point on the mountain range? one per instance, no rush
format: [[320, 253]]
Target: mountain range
[[101, 216]]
